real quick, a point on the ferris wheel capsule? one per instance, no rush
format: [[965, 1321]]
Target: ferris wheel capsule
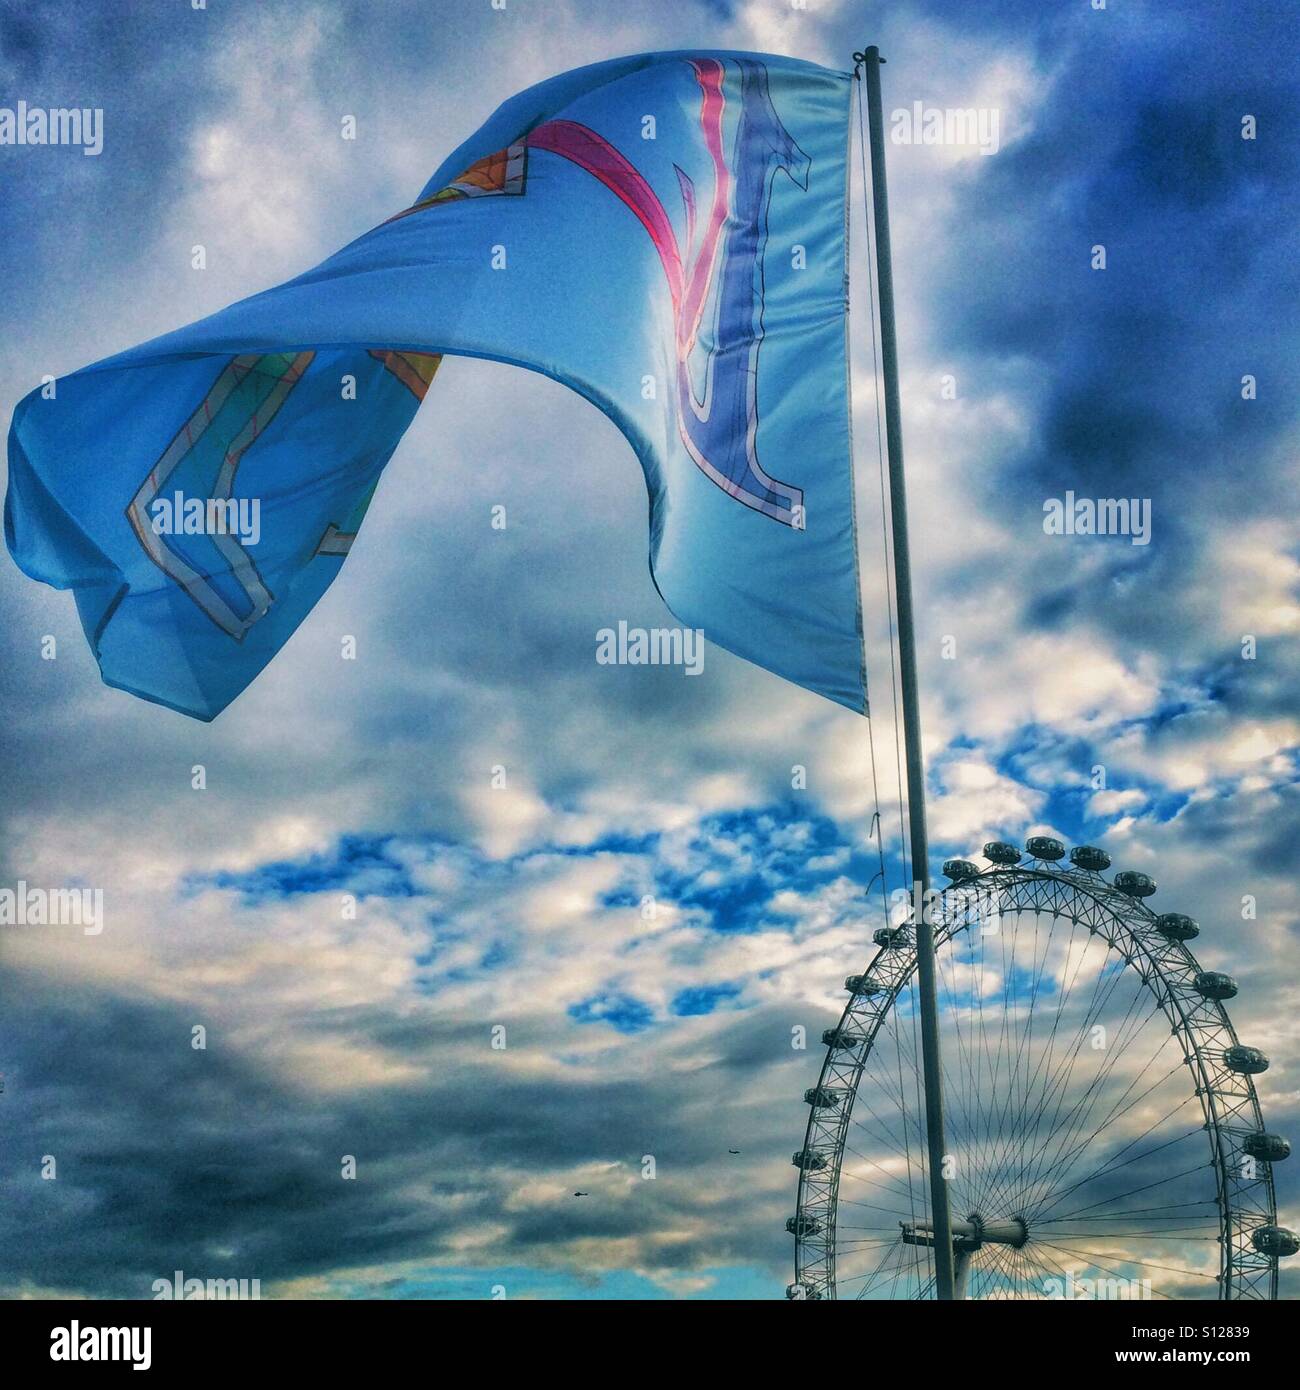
[[889, 936], [1176, 926], [1135, 885], [1275, 1240], [1045, 847], [999, 852], [959, 870], [1089, 857], [1268, 1148], [1245, 1061], [864, 986], [822, 1097], [1214, 984], [800, 1293], [810, 1160], [802, 1225], [840, 1038]]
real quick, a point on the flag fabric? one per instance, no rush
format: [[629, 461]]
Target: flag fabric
[[665, 234]]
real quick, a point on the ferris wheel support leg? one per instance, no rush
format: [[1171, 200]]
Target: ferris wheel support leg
[[939, 1211], [960, 1269]]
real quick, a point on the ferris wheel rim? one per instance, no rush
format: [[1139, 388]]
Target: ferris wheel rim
[[1245, 1270]]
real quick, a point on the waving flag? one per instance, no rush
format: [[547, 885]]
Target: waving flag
[[664, 233]]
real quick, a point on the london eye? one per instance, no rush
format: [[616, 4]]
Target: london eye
[[1104, 1137]]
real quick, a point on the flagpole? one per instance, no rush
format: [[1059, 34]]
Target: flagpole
[[941, 1217]]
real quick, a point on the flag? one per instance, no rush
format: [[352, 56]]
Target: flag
[[665, 234]]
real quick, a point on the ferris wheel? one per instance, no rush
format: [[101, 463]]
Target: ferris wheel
[[1105, 1138]]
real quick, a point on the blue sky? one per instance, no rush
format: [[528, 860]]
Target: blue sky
[[370, 781]]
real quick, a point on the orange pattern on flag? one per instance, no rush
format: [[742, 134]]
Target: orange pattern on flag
[[413, 369]]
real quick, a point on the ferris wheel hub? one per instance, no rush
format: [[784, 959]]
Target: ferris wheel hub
[[967, 1238], [969, 1235]]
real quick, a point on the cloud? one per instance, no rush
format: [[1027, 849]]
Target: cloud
[[657, 902]]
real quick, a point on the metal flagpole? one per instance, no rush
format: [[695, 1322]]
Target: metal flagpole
[[941, 1217]]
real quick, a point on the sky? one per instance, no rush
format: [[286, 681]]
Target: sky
[[1026, 373]]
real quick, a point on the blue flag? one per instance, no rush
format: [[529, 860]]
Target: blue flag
[[666, 234]]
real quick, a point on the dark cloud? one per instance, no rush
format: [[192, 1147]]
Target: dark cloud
[[171, 1158]]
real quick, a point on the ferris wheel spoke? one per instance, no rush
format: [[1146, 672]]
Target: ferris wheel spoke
[[995, 1272], [959, 1093], [916, 1080], [972, 1140], [868, 1206], [884, 1134], [1027, 1035], [871, 1275], [1056, 1085], [958, 1131], [1019, 1272], [1051, 1202], [1100, 1258], [856, 1202], [1037, 1260], [1132, 1212], [1112, 1117], [1126, 1033], [1000, 1049], [1036, 1269], [1059, 1128], [912, 1058], [900, 1268], [1001, 1102], [1055, 1090], [1043, 1067], [966, 1039], [1062, 999], [1055, 1270], [872, 1206], [900, 1095], [1025, 1288], [963, 1134], [978, 1148], [895, 1252], [1133, 1192], [1185, 1233], [918, 1266], [969, 1137], [1049, 1164], [897, 1189], [1040, 965], [978, 985], [989, 1265], [1048, 1069]]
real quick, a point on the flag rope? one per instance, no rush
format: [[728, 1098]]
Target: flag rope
[[884, 529]]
